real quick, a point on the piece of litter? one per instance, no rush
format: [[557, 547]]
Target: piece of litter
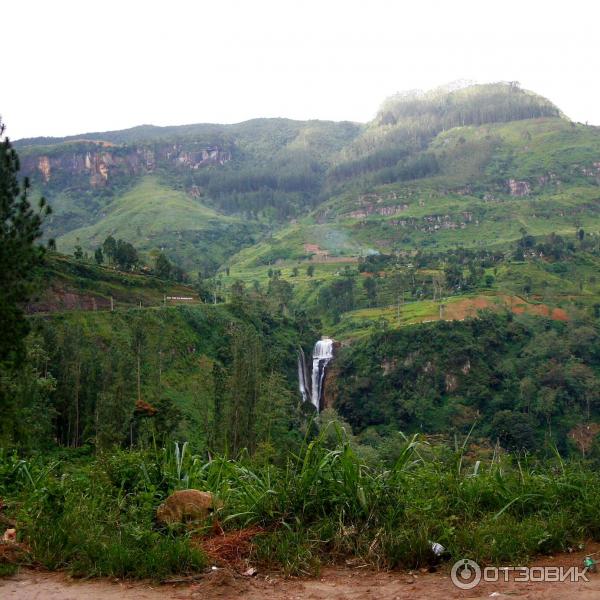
[[437, 549], [213, 568], [251, 572]]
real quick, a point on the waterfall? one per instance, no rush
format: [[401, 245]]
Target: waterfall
[[322, 355], [303, 377]]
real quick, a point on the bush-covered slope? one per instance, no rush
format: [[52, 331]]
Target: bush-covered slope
[[513, 379]]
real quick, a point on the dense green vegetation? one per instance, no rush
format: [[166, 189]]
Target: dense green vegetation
[[222, 378], [267, 168], [330, 501], [451, 377], [132, 376], [400, 288], [463, 186], [94, 518], [408, 122], [446, 108]]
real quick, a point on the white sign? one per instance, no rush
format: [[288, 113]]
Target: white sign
[[467, 574]]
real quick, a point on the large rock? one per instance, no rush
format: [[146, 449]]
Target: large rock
[[187, 505]]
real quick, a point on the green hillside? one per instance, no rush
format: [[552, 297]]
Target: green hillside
[[492, 181], [187, 361], [269, 169], [434, 173], [153, 216], [68, 284]]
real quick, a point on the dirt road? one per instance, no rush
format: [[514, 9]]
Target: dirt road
[[333, 584]]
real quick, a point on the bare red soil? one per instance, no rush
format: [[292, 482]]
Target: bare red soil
[[468, 307]]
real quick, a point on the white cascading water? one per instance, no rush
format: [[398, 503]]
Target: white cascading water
[[303, 377], [322, 355]]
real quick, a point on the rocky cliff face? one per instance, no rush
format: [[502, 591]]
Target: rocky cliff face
[[330, 387], [330, 383], [518, 188], [96, 164]]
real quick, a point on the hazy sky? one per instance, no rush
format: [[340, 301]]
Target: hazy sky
[[80, 66]]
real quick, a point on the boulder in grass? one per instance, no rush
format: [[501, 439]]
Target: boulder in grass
[[187, 505]]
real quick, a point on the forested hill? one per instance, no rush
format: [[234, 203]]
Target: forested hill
[[202, 193], [407, 122], [222, 165]]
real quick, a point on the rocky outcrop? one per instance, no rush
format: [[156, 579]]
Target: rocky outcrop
[[593, 171], [44, 167], [201, 158], [584, 435], [451, 383], [368, 205], [186, 505], [432, 223], [96, 164], [549, 178], [518, 188], [389, 365], [385, 211]]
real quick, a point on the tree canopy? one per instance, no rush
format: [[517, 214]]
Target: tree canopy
[[20, 227]]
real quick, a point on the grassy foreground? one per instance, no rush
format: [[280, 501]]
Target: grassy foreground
[[95, 516]]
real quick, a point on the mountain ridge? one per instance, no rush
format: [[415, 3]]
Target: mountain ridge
[[417, 93], [148, 129], [437, 169]]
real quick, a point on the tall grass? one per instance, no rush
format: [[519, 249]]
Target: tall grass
[[324, 504], [96, 519]]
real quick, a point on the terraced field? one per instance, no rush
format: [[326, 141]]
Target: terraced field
[[361, 322]]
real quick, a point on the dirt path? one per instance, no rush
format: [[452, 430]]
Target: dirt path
[[334, 584]]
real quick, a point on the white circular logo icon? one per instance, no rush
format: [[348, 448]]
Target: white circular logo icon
[[465, 574]]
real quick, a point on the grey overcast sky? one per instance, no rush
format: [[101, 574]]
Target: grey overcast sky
[[79, 66]]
